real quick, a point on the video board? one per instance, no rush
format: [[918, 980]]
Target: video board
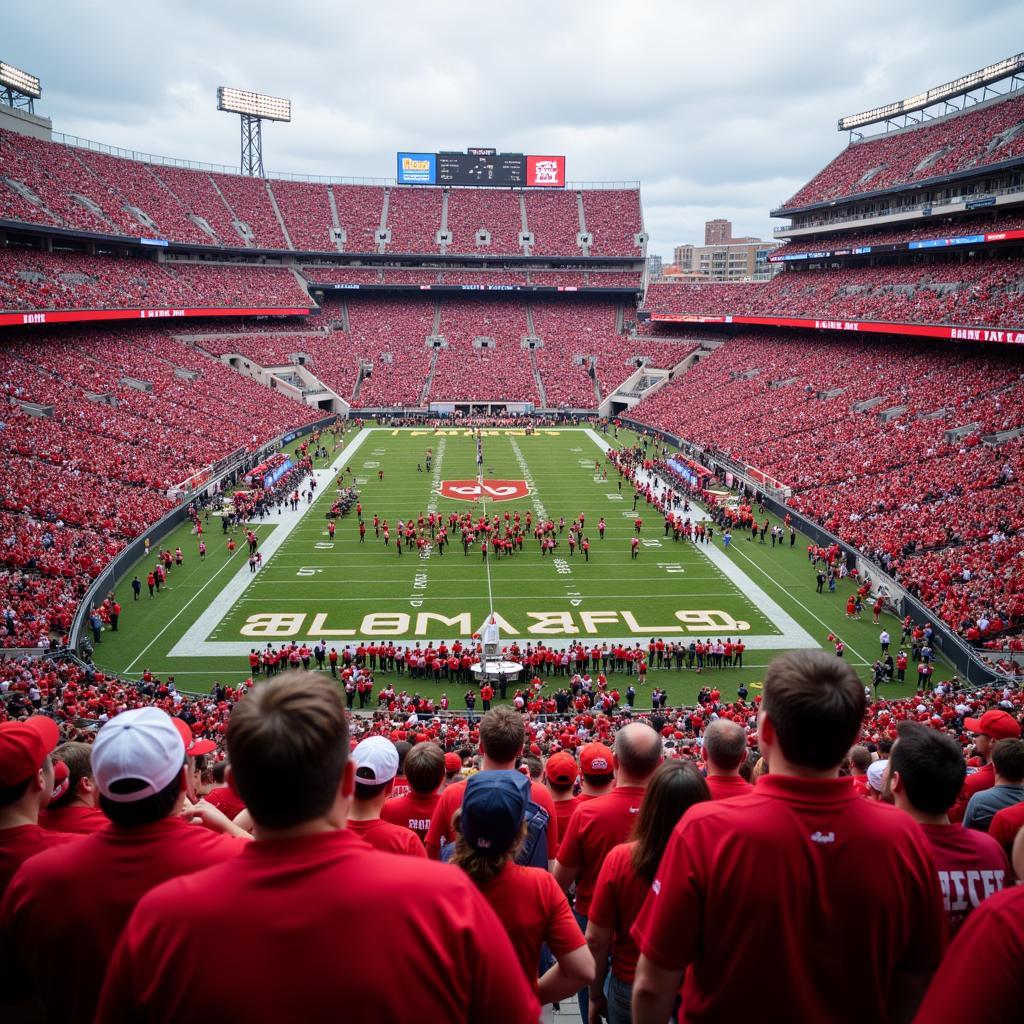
[[481, 167]]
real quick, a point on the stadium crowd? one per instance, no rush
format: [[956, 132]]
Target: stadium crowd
[[141, 821]]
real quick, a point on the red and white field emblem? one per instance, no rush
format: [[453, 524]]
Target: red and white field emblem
[[489, 490]]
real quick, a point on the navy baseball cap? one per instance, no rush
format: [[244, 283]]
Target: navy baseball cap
[[493, 807]]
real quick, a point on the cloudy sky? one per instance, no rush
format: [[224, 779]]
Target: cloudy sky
[[717, 109]]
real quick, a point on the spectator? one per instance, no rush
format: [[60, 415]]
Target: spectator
[[877, 935], [926, 771], [624, 881], [80, 896], [992, 726], [502, 735], [26, 782], [860, 762], [400, 786], [597, 769], [602, 823], [528, 901], [561, 773], [303, 878], [1006, 825], [222, 796], [424, 768], [725, 749], [376, 761], [72, 806], [1007, 789]]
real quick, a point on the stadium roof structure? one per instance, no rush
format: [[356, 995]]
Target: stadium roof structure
[[1010, 69]]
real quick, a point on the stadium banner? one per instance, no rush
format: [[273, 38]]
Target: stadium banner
[[67, 316], [987, 334], [417, 169], [545, 172]]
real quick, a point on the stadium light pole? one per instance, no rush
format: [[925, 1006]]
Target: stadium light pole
[[18, 88], [253, 108]]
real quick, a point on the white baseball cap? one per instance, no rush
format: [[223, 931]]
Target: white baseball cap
[[142, 744], [376, 760], [876, 775]]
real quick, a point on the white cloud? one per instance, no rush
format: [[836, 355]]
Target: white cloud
[[719, 110]]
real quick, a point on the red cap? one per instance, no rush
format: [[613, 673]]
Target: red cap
[[452, 763], [561, 768], [999, 725], [193, 747], [61, 780], [596, 759], [24, 746]]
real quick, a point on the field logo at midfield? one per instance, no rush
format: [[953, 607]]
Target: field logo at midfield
[[490, 490]]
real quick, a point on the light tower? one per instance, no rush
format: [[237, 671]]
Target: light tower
[[18, 88], [254, 108]]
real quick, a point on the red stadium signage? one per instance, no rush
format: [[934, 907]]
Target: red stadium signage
[[67, 316], [488, 490], [545, 172], [985, 334]]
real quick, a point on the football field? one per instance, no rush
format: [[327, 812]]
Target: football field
[[344, 590]]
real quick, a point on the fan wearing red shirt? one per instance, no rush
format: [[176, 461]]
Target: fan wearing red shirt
[[305, 888], [626, 877], [561, 773], [222, 796], [376, 761], [725, 749], [926, 771], [598, 825], [847, 944], [528, 901], [991, 727], [424, 768], [26, 784], [72, 807], [1006, 824], [502, 735], [79, 896]]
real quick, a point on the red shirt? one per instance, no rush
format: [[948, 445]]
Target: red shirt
[[413, 811], [18, 844], [430, 940], [971, 865], [1006, 824], [225, 800], [984, 778], [441, 830], [724, 786], [594, 829], [618, 897], [73, 818], [533, 910], [79, 897], [563, 812], [400, 787], [387, 837], [981, 977], [839, 931]]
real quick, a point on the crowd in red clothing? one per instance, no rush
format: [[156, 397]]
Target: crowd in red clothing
[[981, 291], [967, 140]]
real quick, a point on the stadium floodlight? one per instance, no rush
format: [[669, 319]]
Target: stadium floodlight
[[253, 108], [1006, 68], [18, 88]]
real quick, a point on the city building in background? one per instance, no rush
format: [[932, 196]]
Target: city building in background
[[723, 257]]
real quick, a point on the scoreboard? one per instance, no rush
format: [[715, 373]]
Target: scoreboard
[[481, 167]]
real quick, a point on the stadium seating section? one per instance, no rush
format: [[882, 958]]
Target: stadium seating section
[[968, 141], [983, 291]]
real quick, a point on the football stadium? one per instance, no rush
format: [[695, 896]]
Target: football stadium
[[407, 556]]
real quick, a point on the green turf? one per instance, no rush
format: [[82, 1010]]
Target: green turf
[[314, 588]]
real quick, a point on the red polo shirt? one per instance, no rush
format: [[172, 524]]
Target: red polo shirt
[[73, 818], [387, 837], [414, 811], [422, 934], [441, 830], [971, 866], [724, 786], [18, 844], [618, 897], [1006, 824], [790, 858], [533, 910], [981, 977], [563, 813], [79, 896], [594, 829]]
